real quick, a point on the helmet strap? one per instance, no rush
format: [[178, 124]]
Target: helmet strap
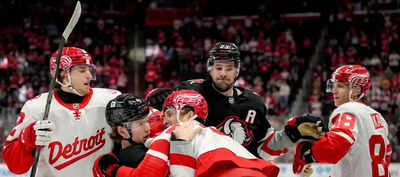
[[360, 96], [193, 117], [69, 84], [130, 138], [178, 115]]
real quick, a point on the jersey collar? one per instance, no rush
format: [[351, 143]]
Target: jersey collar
[[74, 106]]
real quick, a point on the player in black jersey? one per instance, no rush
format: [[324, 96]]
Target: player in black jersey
[[240, 113], [127, 115]]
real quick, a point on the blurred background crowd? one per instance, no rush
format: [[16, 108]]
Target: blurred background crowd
[[288, 49]]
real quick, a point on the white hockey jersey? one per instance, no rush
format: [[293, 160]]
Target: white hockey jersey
[[357, 142], [81, 135], [211, 152]]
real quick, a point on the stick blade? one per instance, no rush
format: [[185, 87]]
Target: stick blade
[[73, 21]]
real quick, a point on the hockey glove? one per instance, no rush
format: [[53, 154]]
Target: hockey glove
[[307, 127], [157, 96], [38, 133], [303, 156], [106, 165]]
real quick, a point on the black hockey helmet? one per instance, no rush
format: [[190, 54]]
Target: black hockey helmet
[[125, 108], [223, 51]]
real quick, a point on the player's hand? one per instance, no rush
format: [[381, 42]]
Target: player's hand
[[302, 157], [186, 131], [106, 165], [307, 171], [38, 133], [307, 127]]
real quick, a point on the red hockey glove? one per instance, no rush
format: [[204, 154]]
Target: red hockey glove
[[307, 127], [106, 165], [38, 133], [302, 157]]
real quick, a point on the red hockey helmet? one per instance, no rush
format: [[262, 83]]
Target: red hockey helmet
[[191, 98], [71, 56], [355, 75]]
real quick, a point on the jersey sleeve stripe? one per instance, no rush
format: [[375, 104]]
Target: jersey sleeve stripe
[[160, 145], [350, 139], [181, 159], [271, 151], [158, 154]]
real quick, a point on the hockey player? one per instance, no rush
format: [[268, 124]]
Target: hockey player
[[240, 113], [155, 99], [357, 142], [212, 154], [127, 115], [76, 131]]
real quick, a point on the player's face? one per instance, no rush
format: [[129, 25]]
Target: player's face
[[80, 78], [223, 74], [340, 93], [170, 117], [140, 130]]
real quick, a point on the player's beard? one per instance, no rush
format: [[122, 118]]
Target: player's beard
[[223, 87]]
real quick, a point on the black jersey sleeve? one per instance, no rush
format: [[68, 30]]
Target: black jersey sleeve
[[195, 84], [133, 155]]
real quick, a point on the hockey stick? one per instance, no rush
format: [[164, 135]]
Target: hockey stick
[[67, 31]]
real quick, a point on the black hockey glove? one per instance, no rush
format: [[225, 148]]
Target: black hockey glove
[[156, 97], [106, 165], [303, 156], [307, 127]]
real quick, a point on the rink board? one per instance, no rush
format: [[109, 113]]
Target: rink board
[[320, 170]]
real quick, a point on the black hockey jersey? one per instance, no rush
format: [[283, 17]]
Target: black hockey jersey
[[242, 116]]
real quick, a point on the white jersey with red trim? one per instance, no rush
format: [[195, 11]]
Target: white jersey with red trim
[[212, 151], [362, 133], [208, 153], [81, 135]]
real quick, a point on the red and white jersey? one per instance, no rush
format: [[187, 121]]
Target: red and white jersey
[[81, 135], [211, 151], [357, 142]]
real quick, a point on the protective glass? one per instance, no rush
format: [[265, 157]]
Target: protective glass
[[329, 86]]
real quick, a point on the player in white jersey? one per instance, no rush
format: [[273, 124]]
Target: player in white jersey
[[76, 131], [357, 140]]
